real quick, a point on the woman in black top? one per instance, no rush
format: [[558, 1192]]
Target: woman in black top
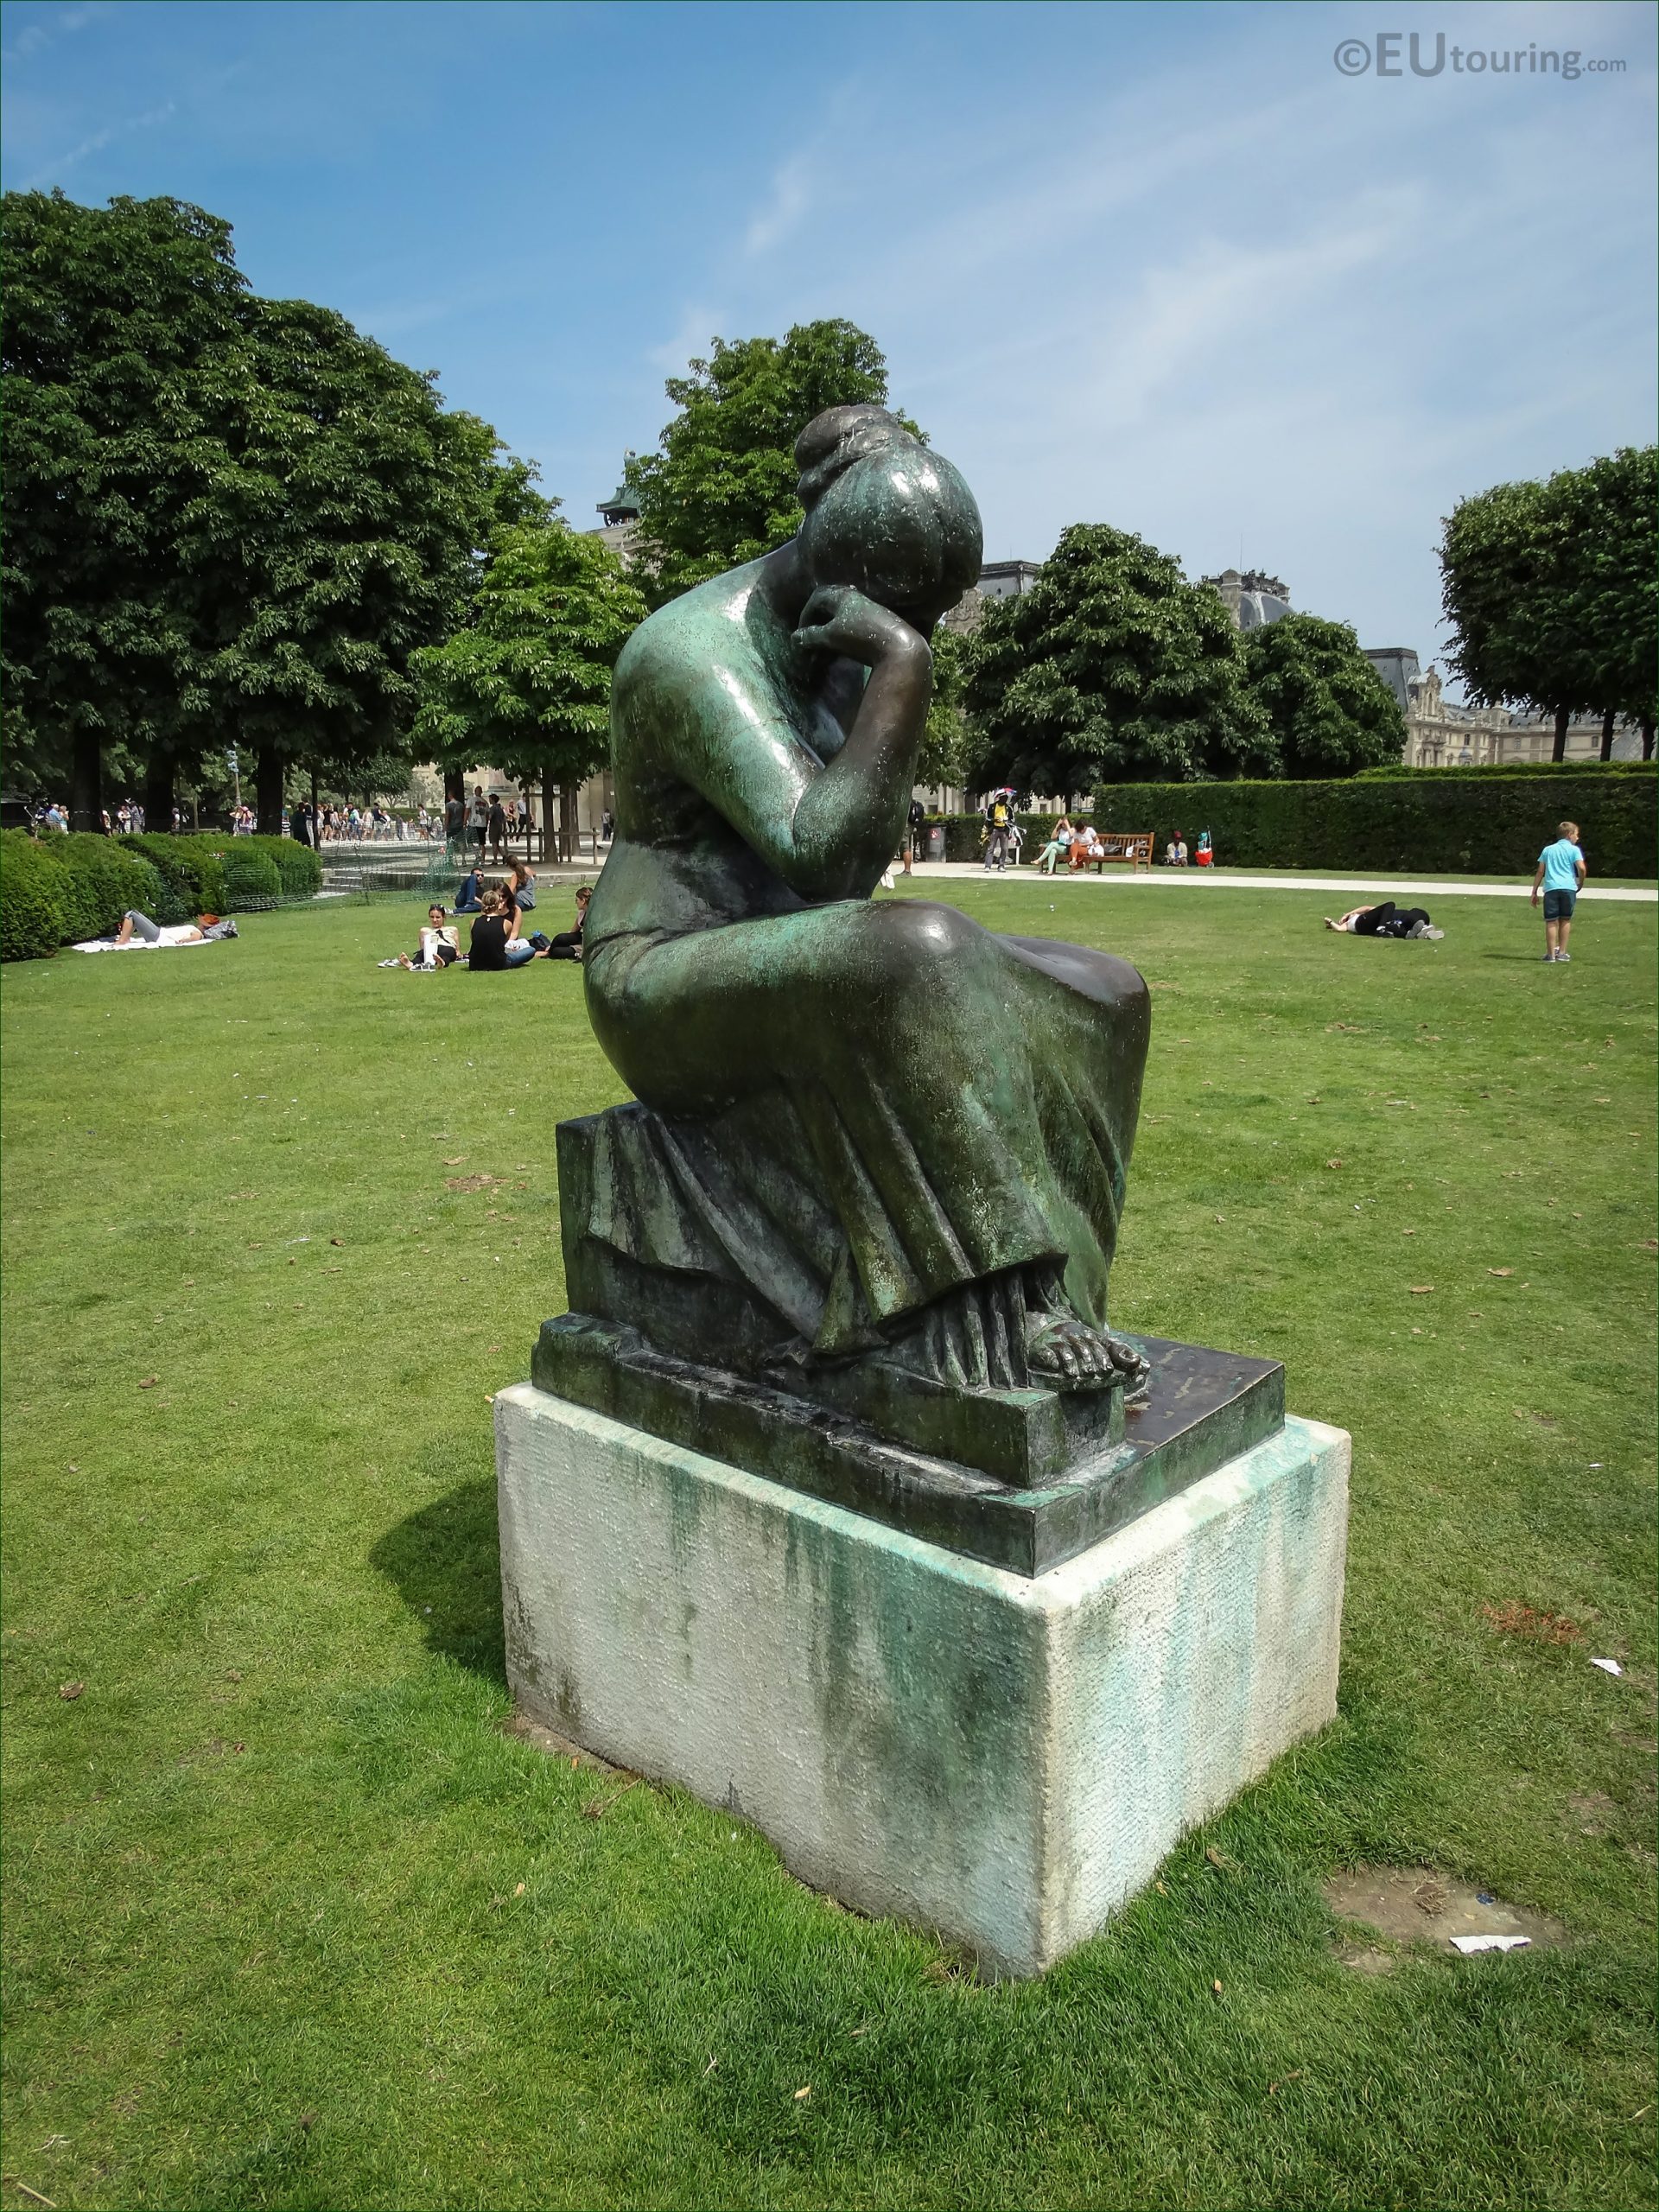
[[493, 945], [567, 945]]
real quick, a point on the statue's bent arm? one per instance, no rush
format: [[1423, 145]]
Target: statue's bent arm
[[827, 829]]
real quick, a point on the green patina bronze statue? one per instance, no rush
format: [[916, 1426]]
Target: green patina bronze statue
[[879, 1146]]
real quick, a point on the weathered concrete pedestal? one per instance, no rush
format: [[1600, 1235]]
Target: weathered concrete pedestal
[[1002, 1758]]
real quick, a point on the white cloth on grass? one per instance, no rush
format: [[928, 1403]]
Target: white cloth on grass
[[172, 934]]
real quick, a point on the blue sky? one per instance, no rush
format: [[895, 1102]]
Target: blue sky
[[1166, 267]]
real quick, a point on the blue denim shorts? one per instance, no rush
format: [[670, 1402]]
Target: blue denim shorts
[[1558, 905]]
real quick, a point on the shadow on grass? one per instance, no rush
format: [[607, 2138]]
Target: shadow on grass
[[445, 1561]]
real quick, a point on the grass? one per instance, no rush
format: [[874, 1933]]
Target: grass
[[294, 1922]]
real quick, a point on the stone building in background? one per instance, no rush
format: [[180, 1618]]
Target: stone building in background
[[1252, 598], [1439, 732]]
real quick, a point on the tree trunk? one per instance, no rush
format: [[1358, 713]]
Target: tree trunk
[[1607, 735], [159, 771], [455, 785], [87, 782], [1562, 716], [1647, 737], [268, 791], [567, 845]]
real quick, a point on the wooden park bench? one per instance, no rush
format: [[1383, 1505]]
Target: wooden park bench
[[1133, 846]]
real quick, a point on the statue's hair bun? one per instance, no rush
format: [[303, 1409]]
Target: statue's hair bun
[[832, 441]]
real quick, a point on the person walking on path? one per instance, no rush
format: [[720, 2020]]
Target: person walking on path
[[1560, 875], [478, 820], [914, 818]]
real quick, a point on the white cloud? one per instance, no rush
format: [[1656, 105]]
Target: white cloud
[[52, 172], [693, 335], [1234, 292], [787, 201]]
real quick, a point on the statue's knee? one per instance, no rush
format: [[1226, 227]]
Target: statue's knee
[[908, 944]]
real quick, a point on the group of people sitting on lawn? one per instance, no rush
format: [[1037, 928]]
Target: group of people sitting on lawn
[[498, 938]]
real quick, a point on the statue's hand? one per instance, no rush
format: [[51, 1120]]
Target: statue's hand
[[839, 618]]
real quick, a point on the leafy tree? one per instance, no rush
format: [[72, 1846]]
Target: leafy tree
[[1112, 668], [230, 519], [337, 538], [1330, 712], [722, 490], [942, 755], [1609, 510], [108, 313], [526, 682], [1505, 588]]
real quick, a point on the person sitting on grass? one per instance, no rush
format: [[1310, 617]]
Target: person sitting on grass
[[567, 945], [467, 899], [493, 945], [523, 885], [1385, 919], [1175, 853], [440, 945]]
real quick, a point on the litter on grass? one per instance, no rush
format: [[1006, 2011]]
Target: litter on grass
[[1608, 1666], [1467, 1944]]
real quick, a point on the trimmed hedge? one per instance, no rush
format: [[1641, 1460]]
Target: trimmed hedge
[[1487, 768], [193, 881], [102, 882], [34, 919], [222, 875], [1435, 820], [251, 878], [298, 868], [57, 890]]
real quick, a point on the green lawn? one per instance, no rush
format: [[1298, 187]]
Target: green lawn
[[294, 1922]]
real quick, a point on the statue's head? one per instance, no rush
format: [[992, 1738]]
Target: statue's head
[[886, 514]]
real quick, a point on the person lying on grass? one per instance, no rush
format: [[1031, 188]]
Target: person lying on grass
[[139, 927], [1385, 919]]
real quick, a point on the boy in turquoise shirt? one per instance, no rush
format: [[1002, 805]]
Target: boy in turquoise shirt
[[1560, 875]]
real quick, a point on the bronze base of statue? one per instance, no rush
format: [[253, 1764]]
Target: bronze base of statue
[[1205, 1408], [693, 1306]]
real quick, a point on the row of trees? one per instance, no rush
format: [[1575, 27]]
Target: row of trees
[[236, 522], [1552, 591], [1115, 666]]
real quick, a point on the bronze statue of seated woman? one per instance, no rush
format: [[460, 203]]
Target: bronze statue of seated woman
[[869, 1132]]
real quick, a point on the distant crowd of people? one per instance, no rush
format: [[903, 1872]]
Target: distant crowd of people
[[366, 825], [50, 818]]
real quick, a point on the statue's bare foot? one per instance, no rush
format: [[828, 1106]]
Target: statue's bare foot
[[1070, 1356]]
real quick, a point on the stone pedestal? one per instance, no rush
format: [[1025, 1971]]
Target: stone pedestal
[[1001, 1758]]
